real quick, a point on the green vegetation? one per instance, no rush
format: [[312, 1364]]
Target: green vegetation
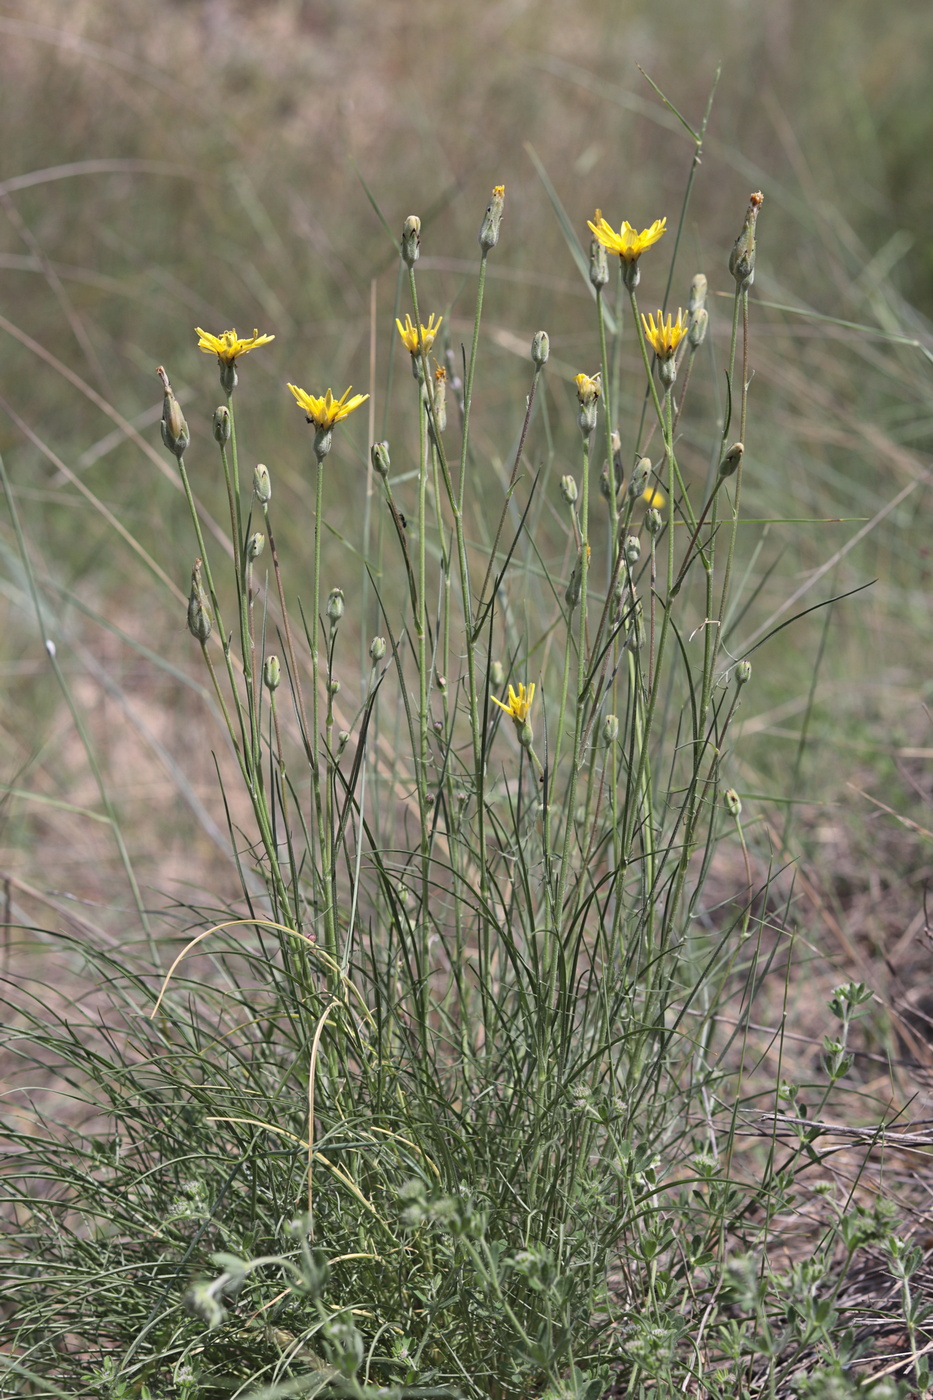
[[481, 955]]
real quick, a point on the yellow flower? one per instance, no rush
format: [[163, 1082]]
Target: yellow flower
[[229, 345], [410, 333], [519, 706], [628, 242], [589, 387], [653, 497], [665, 337], [325, 412]]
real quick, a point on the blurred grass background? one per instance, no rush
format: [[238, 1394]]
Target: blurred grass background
[[203, 162]]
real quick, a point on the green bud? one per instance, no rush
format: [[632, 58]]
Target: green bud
[[568, 489], [262, 485], [255, 545], [653, 521], [599, 264], [379, 455], [632, 550], [742, 257], [698, 289], [377, 649], [492, 219], [411, 240], [743, 673], [175, 433], [335, 606], [272, 673], [733, 802], [697, 327], [729, 464], [497, 675], [540, 349], [333, 687], [639, 478], [343, 738], [588, 391], [222, 425], [610, 730], [200, 616]]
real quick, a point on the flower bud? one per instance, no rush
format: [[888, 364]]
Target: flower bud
[[653, 521], [262, 485], [729, 464], [733, 802], [743, 673], [343, 738], [599, 260], [411, 240], [221, 425], [697, 327], [632, 550], [610, 730], [440, 399], [639, 478], [540, 349], [605, 489], [377, 649], [588, 391], [333, 687], [255, 545], [742, 257], [175, 433], [618, 471], [492, 219], [379, 455], [272, 673], [200, 617], [698, 289], [568, 489], [335, 606]]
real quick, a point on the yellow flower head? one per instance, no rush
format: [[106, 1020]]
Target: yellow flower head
[[628, 242], [413, 337], [519, 706], [229, 345], [589, 387], [665, 337], [327, 411]]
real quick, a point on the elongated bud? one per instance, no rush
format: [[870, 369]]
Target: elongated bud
[[599, 259], [733, 802], [540, 349], [618, 471], [262, 485], [377, 649], [379, 455], [698, 289], [742, 257], [222, 425], [200, 617], [697, 327], [610, 730], [272, 673], [588, 391], [175, 433], [605, 486], [653, 521], [255, 545], [639, 478], [440, 399], [743, 673], [729, 464], [632, 550], [411, 240], [335, 606], [492, 219], [568, 489]]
